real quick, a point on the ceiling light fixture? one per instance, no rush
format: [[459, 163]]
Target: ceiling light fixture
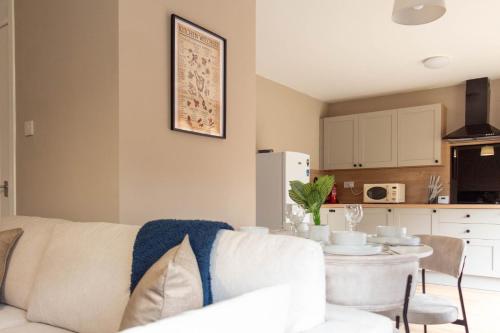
[[436, 62], [415, 12], [487, 151]]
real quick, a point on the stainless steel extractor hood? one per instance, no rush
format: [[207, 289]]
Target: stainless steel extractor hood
[[477, 111]]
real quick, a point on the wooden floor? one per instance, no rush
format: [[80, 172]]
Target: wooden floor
[[483, 311]]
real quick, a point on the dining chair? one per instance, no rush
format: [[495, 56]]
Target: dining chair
[[424, 309]]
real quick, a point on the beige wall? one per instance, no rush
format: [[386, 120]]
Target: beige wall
[[67, 82], [172, 174], [288, 120], [452, 97]]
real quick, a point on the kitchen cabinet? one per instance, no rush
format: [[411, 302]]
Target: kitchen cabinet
[[373, 217], [482, 257], [480, 228], [392, 138], [334, 217], [377, 132], [419, 135], [417, 221], [366, 140], [340, 142]]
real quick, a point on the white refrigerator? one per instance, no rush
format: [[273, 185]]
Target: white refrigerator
[[274, 173]]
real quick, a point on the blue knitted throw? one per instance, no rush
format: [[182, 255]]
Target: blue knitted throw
[[155, 238]]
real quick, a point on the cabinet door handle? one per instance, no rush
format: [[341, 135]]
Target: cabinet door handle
[[467, 231], [360, 165], [389, 210], [436, 161], [468, 242], [467, 216], [354, 165], [434, 211], [332, 210]]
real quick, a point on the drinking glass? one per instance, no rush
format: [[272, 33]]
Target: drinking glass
[[294, 217], [353, 214]]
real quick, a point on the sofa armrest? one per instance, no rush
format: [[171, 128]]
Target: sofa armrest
[[347, 320]]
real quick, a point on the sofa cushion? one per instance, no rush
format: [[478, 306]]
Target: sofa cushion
[[26, 256], [11, 316], [8, 239], [84, 277], [242, 262], [169, 287], [348, 320], [261, 311], [34, 328]]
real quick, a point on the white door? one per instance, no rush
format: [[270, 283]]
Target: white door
[[6, 117], [378, 139], [340, 142], [419, 135]]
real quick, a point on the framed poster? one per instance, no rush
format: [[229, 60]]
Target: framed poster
[[198, 73]]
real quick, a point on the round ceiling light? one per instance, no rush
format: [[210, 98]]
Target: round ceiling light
[[415, 12], [436, 62]]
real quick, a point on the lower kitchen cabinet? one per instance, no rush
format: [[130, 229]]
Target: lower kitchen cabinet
[[482, 257], [479, 228], [417, 221], [334, 217], [374, 217]]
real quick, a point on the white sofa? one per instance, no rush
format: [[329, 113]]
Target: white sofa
[[74, 277]]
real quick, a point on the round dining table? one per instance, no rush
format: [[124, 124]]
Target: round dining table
[[375, 282]]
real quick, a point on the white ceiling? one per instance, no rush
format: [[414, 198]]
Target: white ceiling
[[341, 49]]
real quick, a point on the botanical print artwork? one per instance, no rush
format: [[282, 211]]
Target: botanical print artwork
[[199, 80]]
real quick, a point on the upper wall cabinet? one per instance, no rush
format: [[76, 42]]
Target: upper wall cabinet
[[377, 132], [402, 137], [419, 135], [340, 145]]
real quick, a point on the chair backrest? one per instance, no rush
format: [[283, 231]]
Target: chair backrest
[[447, 257]]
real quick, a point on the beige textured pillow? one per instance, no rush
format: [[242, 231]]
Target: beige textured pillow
[[8, 239], [171, 286]]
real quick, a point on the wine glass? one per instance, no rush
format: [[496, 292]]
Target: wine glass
[[294, 217], [353, 214]]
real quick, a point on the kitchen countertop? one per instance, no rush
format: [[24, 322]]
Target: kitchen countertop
[[413, 205]]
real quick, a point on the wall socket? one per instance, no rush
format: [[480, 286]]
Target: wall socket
[[349, 184]]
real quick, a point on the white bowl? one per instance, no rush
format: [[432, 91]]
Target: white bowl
[[391, 231], [352, 238], [254, 230]]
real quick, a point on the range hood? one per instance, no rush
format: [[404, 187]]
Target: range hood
[[477, 111]]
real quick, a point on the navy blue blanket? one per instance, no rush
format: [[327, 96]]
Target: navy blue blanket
[[155, 238]]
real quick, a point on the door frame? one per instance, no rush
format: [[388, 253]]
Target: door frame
[[12, 107]]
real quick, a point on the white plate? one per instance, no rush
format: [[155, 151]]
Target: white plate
[[408, 240], [349, 250]]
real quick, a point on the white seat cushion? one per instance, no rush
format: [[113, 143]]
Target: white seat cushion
[[11, 316], [34, 328], [26, 257], [347, 320], [262, 311], [83, 283], [242, 262], [425, 309]]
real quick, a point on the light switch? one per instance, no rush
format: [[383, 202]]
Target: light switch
[[29, 128]]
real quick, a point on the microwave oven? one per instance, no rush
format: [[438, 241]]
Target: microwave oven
[[384, 193]]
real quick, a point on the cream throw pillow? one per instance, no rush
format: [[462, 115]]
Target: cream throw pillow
[[171, 286], [8, 239]]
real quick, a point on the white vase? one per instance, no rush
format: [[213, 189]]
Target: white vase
[[320, 233]]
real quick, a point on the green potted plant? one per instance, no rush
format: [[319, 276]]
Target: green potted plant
[[310, 196]]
